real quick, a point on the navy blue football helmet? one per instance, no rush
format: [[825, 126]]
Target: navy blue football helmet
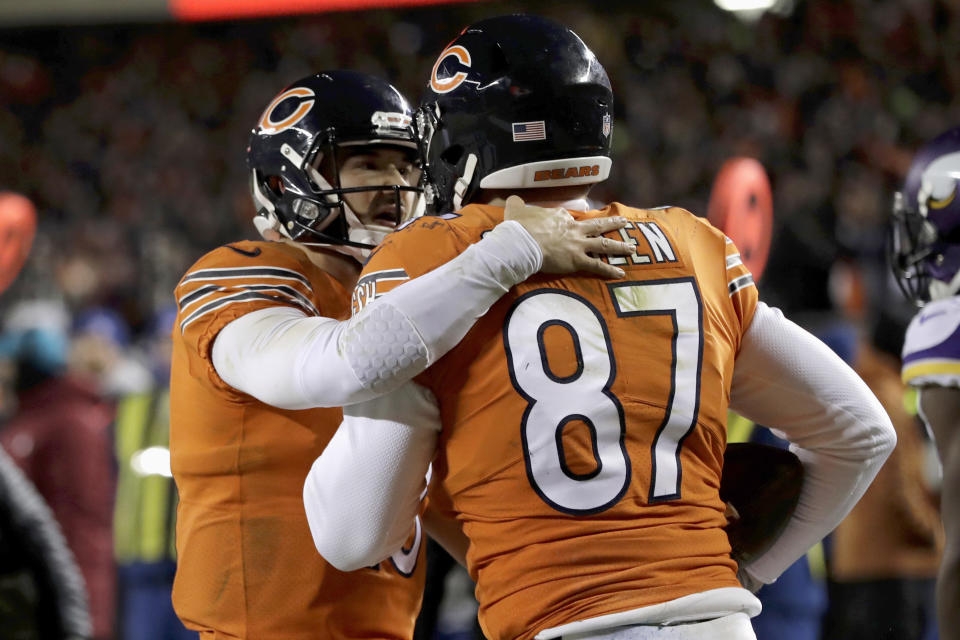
[[514, 102], [925, 243], [297, 141]]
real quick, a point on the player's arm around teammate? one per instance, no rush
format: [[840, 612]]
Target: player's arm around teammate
[[337, 363], [263, 354]]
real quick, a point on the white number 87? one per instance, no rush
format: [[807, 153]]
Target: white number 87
[[585, 395]]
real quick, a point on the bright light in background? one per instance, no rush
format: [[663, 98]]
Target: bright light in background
[[751, 10], [745, 5], [152, 461]]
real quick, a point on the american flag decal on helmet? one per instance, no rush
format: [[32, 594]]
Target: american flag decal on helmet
[[524, 131]]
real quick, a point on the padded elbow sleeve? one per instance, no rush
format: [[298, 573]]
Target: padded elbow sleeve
[[383, 348]]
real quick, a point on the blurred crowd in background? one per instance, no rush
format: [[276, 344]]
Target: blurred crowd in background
[[130, 141]]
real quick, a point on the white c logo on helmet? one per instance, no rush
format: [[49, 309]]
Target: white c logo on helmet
[[270, 126], [446, 85]]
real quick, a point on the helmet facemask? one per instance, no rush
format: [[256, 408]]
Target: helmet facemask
[[318, 212], [910, 244], [925, 233], [300, 187], [925, 260], [448, 182]]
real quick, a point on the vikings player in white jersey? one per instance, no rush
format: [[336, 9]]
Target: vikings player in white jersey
[[926, 261]]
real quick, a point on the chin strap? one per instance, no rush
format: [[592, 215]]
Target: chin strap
[[463, 182], [266, 221]]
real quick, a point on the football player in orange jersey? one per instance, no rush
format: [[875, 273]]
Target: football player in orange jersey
[[264, 354], [577, 432]]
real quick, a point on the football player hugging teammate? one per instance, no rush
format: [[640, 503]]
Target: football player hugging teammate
[[577, 432], [265, 353], [926, 261]]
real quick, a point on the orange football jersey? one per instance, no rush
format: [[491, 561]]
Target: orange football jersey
[[584, 419], [247, 567]]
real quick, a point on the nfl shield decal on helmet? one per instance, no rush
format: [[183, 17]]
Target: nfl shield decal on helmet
[[606, 126]]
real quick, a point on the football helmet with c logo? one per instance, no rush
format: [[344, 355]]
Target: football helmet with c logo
[[294, 152], [514, 102]]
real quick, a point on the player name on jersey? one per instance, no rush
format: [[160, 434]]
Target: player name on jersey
[[653, 247], [651, 242]]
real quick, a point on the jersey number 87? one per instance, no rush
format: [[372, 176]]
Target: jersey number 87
[[585, 395]]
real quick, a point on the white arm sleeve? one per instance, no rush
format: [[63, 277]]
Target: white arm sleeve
[[293, 361], [786, 379], [363, 492]]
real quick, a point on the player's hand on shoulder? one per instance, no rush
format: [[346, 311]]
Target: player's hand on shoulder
[[565, 242]]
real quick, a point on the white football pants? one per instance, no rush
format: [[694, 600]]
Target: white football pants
[[735, 626]]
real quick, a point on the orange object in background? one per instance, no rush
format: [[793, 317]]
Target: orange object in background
[[225, 9], [741, 205], [18, 225]]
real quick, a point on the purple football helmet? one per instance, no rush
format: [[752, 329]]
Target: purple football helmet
[[925, 244]]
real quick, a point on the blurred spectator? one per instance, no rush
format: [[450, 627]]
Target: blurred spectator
[[133, 129], [101, 351], [42, 593], [59, 436], [449, 609], [885, 554], [145, 514]]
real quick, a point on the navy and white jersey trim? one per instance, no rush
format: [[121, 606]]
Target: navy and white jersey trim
[[244, 296], [740, 283], [366, 291], [197, 294], [386, 274], [232, 273], [275, 284], [206, 291]]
